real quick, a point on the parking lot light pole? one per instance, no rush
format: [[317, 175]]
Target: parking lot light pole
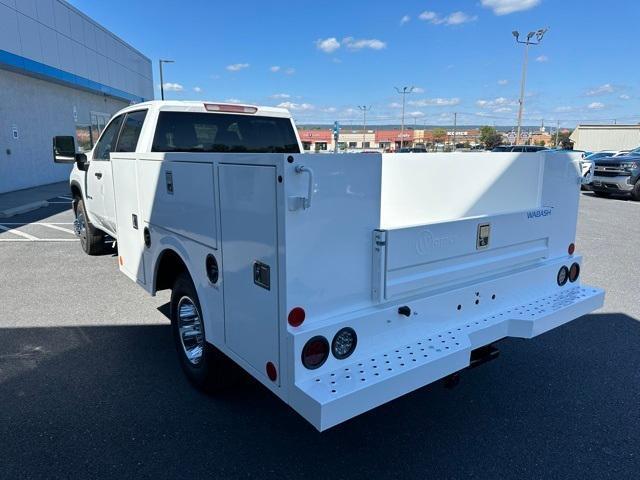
[[403, 92], [160, 62], [364, 110], [538, 34]]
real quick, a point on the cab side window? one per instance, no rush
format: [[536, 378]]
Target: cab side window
[[128, 140], [108, 140]]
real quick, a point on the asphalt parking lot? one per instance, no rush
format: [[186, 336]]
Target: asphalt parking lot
[[90, 386]]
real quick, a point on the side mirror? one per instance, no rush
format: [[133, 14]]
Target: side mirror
[[64, 150]]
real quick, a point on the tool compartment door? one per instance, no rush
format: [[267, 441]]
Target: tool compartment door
[[129, 223], [250, 262]]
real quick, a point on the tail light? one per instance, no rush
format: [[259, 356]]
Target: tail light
[[574, 272], [344, 343], [315, 352], [563, 275], [571, 249], [296, 316]]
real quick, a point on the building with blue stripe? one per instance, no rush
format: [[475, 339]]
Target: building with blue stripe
[[61, 73]]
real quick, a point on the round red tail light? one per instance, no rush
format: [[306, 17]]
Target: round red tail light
[[315, 352], [574, 272], [572, 248], [563, 275], [296, 316]]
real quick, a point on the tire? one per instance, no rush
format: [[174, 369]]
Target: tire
[[91, 239], [204, 365], [635, 193], [602, 194]]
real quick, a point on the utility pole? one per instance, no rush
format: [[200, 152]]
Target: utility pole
[[557, 131], [455, 125], [403, 92], [160, 62], [364, 110], [538, 34]]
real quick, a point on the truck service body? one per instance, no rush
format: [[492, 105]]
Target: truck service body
[[339, 281]]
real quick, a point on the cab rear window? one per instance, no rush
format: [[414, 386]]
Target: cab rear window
[[220, 132]]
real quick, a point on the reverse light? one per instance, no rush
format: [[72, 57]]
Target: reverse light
[[574, 272], [563, 275], [224, 107], [344, 343], [315, 352]]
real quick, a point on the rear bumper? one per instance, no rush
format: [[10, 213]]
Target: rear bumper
[[335, 396]]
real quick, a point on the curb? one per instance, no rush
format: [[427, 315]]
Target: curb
[[28, 207]]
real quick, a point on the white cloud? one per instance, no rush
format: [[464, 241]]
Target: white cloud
[[455, 18], [505, 7], [281, 95], [395, 105], [563, 108], [503, 82], [329, 109], [233, 100], [235, 67], [624, 96], [215, 76], [328, 45], [172, 87], [405, 19], [601, 90], [499, 102], [197, 89], [290, 71], [275, 68], [418, 90], [502, 110], [542, 59], [416, 114], [355, 44], [296, 106], [435, 102], [595, 106]]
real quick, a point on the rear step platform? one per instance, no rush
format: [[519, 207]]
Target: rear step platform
[[332, 397]]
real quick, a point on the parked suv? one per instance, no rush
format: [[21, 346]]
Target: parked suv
[[518, 148], [619, 175]]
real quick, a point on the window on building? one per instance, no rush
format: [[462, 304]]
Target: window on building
[[353, 144], [220, 132], [108, 139], [306, 145], [342, 145], [366, 144], [321, 146], [128, 140]]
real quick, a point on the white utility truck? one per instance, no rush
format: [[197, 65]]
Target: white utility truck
[[339, 281]]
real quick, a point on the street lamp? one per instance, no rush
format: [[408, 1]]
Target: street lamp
[[160, 62], [538, 34], [403, 92], [364, 110]]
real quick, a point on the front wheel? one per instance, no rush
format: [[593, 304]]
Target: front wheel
[[91, 239], [635, 193], [205, 366]]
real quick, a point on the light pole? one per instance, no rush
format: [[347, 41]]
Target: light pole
[[160, 62], [364, 110], [538, 34], [403, 92]]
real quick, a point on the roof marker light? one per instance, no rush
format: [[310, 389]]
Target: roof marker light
[[223, 107]]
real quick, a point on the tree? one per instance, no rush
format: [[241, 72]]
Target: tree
[[490, 137], [439, 135], [564, 141]]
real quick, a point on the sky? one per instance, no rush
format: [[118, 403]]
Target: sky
[[323, 59]]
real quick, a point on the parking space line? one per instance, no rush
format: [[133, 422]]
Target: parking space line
[[39, 240], [37, 223], [18, 233], [66, 198], [57, 227]]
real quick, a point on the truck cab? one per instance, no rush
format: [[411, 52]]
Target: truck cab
[[136, 128]]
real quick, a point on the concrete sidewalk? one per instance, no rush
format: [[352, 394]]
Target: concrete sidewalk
[[21, 201]]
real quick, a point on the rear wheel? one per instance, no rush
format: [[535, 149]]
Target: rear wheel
[[205, 366], [91, 239]]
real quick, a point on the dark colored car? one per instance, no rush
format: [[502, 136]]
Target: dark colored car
[[518, 148], [413, 150], [617, 175]]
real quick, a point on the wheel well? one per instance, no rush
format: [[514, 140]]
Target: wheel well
[[170, 265], [75, 192]]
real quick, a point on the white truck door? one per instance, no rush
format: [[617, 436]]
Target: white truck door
[[99, 181], [250, 262]]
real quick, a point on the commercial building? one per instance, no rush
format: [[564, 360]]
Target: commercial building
[[60, 74], [592, 138]]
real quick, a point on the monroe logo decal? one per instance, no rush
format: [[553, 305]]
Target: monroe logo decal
[[541, 212]]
